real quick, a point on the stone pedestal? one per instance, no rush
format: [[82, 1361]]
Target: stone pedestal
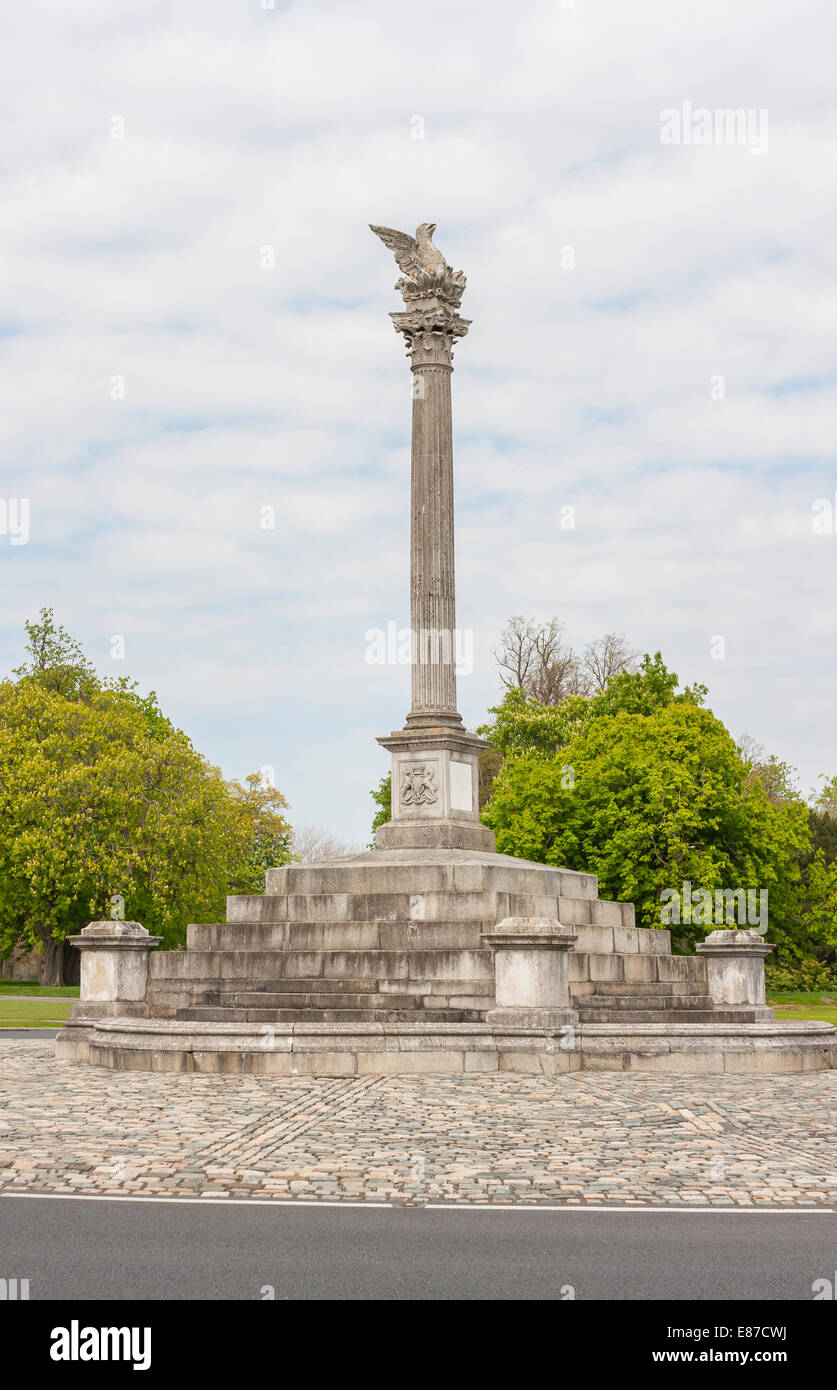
[[114, 980], [435, 791], [114, 962], [531, 971], [735, 969]]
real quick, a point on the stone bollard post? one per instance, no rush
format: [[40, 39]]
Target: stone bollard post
[[114, 978], [531, 965], [735, 969]]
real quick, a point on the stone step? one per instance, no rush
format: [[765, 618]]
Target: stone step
[[647, 1001], [599, 967], [255, 967], [594, 912], [299, 986], [236, 936], [406, 934], [645, 987], [620, 939], [663, 1015], [339, 936], [483, 905], [268, 1017], [431, 872], [310, 999], [166, 996]]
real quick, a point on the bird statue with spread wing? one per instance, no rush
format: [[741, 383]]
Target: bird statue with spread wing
[[425, 269]]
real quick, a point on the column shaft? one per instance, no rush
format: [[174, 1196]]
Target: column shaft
[[432, 591]]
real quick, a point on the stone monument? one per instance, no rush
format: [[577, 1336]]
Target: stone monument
[[431, 952], [435, 761]]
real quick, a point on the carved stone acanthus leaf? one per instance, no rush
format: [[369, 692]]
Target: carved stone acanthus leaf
[[430, 330], [448, 285]]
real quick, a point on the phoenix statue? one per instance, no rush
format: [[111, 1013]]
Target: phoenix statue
[[426, 272]]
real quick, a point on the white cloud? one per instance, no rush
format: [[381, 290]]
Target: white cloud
[[291, 128]]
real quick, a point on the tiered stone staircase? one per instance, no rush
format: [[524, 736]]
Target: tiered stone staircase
[[345, 943], [384, 964]]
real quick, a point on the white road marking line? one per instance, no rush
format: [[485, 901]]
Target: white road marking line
[[425, 1206]]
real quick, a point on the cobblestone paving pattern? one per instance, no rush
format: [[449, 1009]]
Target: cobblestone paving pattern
[[593, 1140]]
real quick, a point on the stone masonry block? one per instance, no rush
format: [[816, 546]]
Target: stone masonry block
[[598, 939], [422, 936], [605, 914], [482, 1061], [320, 907], [232, 936], [413, 1063], [332, 936], [625, 940], [366, 965], [253, 907], [305, 965], [640, 967], [655, 940], [451, 965], [578, 966], [532, 905], [174, 965], [573, 912], [606, 967], [691, 968]]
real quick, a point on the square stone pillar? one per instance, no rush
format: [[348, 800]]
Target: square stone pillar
[[435, 791], [531, 965], [114, 978], [735, 969], [114, 962]]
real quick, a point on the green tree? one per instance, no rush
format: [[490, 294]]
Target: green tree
[[644, 787], [267, 837], [100, 793], [825, 802], [815, 943], [382, 796], [777, 778]]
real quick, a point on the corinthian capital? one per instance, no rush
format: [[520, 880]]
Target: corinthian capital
[[430, 329], [432, 293]]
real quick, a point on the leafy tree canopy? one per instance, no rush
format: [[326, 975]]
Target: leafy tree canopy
[[382, 797], [642, 786], [100, 793]]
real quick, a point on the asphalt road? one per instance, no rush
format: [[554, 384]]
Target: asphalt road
[[117, 1249], [34, 1034]]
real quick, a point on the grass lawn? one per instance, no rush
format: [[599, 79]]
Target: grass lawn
[[28, 988], [33, 1013], [796, 1004]]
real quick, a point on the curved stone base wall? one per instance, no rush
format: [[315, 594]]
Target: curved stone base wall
[[380, 1049]]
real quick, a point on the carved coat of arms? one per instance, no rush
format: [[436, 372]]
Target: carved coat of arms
[[418, 785]]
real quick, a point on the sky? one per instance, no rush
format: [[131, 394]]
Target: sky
[[194, 331]]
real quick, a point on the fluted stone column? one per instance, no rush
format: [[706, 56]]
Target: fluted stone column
[[430, 333], [435, 772]]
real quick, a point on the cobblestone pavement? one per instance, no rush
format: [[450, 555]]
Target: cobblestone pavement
[[592, 1140]]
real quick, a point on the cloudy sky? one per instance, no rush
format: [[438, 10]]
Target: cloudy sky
[[163, 385]]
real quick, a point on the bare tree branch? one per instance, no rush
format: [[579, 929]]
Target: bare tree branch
[[533, 658], [609, 656], [313, 842]]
